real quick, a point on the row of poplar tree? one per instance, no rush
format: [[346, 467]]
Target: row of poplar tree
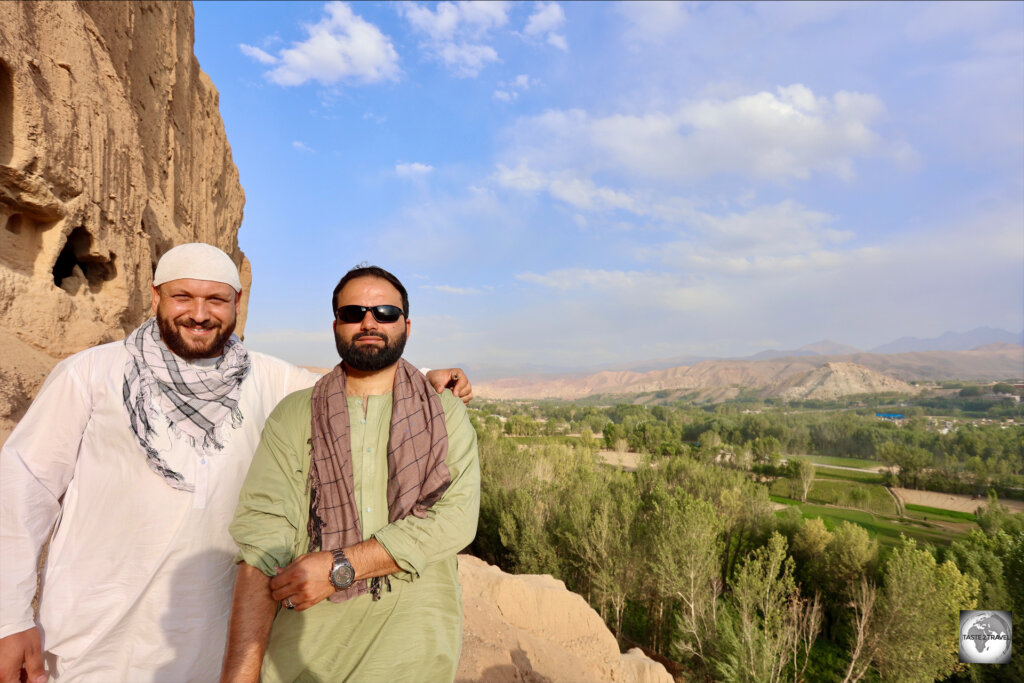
[[690, 560]]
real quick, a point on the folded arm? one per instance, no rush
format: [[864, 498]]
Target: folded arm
[[406, 546]]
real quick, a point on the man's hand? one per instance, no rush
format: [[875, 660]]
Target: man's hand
[[454, 379], [22, 651], [304, 582]]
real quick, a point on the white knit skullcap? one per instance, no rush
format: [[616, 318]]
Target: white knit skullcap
[[197, 261]]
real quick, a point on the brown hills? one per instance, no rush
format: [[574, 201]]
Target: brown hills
[[794, 377]]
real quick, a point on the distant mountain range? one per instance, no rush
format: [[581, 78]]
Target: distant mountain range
[[805, 375], [948, 341], [952, 341]]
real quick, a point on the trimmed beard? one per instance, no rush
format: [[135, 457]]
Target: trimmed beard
[[169, 332], [370, 358]]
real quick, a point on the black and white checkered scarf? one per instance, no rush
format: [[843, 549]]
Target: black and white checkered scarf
[[196, 401]]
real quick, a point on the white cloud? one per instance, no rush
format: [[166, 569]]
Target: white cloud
[[785, 227], [456, 33], [465, 60], [789, 134], [581, 193], [520, 178], [404, 170], [653, 21], [302, 146], [257, 54], [710, 262], [584, 194], [559, 41], [484, 15], [629, 288], [448, 289], [546, 19], [341, 47], [509, 91], [439, 24]]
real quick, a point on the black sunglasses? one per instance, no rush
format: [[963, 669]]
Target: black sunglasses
[[382, 314]]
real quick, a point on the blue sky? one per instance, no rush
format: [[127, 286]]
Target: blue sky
[[568, 185]]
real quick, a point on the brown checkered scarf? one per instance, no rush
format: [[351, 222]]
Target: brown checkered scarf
[[417, 446]]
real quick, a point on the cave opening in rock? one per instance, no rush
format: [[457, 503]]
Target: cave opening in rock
[[13, 224], [76, 262], [6, 115]]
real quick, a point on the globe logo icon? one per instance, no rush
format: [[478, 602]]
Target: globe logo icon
[[985, 636]]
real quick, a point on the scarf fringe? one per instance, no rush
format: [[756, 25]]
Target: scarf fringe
[[145, 398]]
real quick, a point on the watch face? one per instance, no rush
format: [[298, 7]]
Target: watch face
[[342, 576]]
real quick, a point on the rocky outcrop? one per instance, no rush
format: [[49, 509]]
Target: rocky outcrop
[[112, 150], [835, 380], [530, 629]]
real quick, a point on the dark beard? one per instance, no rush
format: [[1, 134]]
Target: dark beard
[[370, 358], [176, 343]]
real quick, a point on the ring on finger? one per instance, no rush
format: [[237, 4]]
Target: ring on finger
[[288, 603]]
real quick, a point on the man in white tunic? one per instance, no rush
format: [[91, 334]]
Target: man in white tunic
[[137, 450]]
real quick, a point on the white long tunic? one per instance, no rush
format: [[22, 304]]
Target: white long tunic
[[138, 580]]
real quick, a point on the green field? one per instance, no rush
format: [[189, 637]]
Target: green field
[[842, 492], [863, 477], [860, 497], [883, 528], [923, 512], [859, 463], [783, 500]]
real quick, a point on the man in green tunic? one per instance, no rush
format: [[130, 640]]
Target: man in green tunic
[[362, 491]]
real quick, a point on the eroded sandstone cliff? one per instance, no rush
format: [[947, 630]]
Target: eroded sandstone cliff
[[530, 629], [112, 150]]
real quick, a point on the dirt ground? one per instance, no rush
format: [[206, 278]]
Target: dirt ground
[[951, 501], [624, 459]]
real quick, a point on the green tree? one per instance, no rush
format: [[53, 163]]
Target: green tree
[[808, 549], [981, 555], [521, 528], [904, 627], [683, 566], [521, 425], [803, 472], [849, 557], [910, 460], [768, 630], [599, 532], [767, 449]]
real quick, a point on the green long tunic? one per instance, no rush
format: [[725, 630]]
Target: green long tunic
[[414, 632]]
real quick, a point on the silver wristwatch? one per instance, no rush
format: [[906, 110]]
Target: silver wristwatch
[[342, 573]]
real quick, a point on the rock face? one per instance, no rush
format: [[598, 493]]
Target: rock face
[[112, 150], [530, 629], [834, 380]]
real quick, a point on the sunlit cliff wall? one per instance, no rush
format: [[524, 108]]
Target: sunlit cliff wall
[[112, 150]]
